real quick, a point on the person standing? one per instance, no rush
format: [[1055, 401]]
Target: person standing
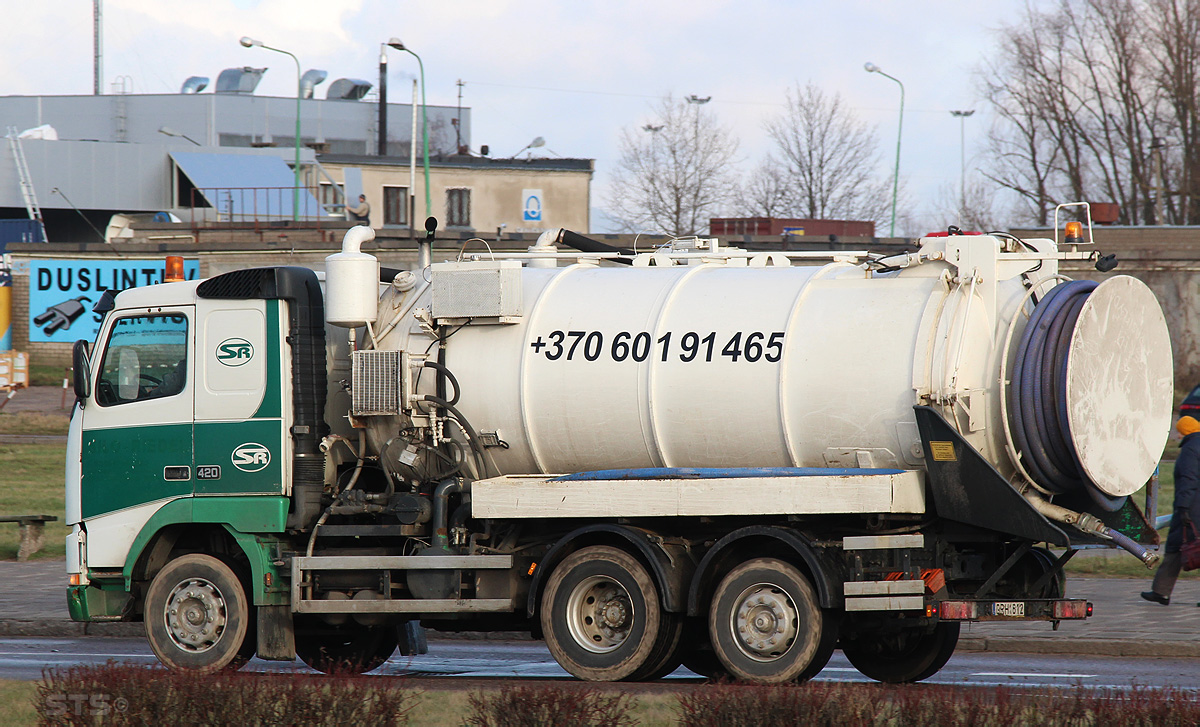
[[360, 213], [1187, 510]]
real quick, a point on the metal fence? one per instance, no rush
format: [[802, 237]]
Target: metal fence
[[255, 208]]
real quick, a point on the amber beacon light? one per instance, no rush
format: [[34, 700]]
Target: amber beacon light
[[1074, 233], [173, 273]]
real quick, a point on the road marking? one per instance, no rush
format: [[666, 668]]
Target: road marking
[[1032, 675], [72, 654]]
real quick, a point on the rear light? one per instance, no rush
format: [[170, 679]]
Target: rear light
[[75, 579], [959, 610], [1072, 609]]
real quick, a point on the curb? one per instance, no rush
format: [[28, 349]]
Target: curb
[[62, 628], [1087, 647], [33, 439]]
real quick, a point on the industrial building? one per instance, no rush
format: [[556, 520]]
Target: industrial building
[[230, 156]]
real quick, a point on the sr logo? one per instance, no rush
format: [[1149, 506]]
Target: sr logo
[[251, 457], [234, 351]]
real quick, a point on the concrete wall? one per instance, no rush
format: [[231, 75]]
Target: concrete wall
[[349, 127]]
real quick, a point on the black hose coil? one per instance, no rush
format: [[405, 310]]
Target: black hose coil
[[1037, 397]]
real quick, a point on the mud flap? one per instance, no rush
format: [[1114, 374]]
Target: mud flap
[[968, 489]]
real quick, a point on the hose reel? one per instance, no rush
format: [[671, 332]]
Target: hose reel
[[1038, 396]]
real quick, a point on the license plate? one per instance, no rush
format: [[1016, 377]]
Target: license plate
[[1011, 609]]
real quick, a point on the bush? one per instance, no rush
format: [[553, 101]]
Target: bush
[[859, 705], [549, 707], [136, 695]]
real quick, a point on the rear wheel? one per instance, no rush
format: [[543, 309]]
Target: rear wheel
[[347, 649], [902, 656], [197, 616], [765, 623], [602, 619]]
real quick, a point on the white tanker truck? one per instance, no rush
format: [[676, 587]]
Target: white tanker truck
[[735, 461]]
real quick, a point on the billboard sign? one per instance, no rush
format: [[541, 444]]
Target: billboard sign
[[62, 293]]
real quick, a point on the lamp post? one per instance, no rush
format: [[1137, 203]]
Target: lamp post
[[872, 68], [399, 45], [962, 151], [252, 43], [383, 99], [168, 131]]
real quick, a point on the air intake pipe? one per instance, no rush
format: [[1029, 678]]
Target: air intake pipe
[[306, 334]]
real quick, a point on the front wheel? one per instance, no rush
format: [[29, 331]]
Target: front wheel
[[765, 623], [602, 619], [197, 616], [903, 656]]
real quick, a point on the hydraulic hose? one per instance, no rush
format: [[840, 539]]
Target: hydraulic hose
[[1037, 398]]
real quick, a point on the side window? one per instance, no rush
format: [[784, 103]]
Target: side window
[[146, 358], [458, 207], [395, 205]]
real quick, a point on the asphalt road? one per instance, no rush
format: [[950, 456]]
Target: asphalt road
[[24, 659]]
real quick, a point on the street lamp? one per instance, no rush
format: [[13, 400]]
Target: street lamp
[[962, 150], [252, 43], [399, 45], [537, 142], [168, 131], [872, 68]]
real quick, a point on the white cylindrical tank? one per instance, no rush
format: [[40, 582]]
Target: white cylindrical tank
[[352, 282], [737, 364]]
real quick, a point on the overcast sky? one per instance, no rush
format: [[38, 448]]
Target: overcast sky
[[574, 72]]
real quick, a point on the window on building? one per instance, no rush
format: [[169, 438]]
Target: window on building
[[395, 205], [458, 207], [331, 201]]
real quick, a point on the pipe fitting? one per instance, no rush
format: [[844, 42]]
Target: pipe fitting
[[354, 238]]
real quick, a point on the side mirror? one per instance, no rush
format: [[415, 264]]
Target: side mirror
[[80, 369]]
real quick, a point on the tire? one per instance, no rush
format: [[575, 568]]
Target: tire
[[765, 623], [348, 649], [830, 624], [670, 647], [602, 619], [698, 654], [411, 639], [904, 656], [197, 617]]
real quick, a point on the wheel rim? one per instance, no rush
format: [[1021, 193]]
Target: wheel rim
[[195, 615], [599, 614], [765, 622]]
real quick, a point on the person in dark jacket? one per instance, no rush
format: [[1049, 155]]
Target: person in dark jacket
[[1187, 510]]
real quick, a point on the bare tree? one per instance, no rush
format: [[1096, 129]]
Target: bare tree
[[675, 173], [1086, 93], [767, 192], [829, 157]]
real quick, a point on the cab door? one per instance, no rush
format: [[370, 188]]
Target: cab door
[[137, 431], [241, 448]]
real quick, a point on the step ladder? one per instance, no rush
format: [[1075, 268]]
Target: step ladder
[[26, 181]]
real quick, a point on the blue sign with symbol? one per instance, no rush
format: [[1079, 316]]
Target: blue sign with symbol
[[531, 207]]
